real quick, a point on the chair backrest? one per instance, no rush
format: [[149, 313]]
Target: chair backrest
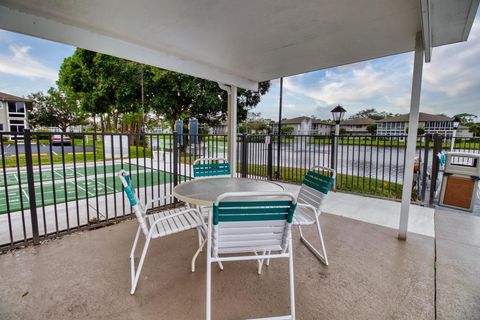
[[137, 205], [316, 184], [211, 167], [252, 222]]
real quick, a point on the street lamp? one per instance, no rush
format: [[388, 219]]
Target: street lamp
[[455, 124], [337, 114]]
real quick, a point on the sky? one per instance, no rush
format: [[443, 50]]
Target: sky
[[451, 82]]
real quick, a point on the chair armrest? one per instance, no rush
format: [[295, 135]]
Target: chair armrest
[[308, 206], [179, 214], [149, 203]]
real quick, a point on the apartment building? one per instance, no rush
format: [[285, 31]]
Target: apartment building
[[432, 123], [13, 113]]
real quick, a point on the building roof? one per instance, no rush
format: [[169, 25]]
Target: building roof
[[299, 120], [243, 42], [357, 122], [9, 97], [422, 118]]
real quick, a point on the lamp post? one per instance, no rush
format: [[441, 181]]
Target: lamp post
[[337, 114], [456, 123]]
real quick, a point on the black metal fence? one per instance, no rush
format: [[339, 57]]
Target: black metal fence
[[56, 183]]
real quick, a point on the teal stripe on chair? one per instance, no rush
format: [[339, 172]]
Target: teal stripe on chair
[[253, 211], [211, 169], [130, 191], [318, 181]]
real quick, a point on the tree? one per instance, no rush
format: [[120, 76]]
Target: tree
[[372, 114], [372, 129], [465, 118], [287, 130], [474, 128], [107, 85], [180, 96], [342, 131], [55, 110]]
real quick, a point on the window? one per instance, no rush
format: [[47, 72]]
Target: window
[[16, 107], [20, 107], [1, 126]]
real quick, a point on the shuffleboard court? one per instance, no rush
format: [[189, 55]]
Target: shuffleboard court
[[58, 190], [57, 173]]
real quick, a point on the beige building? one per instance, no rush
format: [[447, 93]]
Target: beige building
[[432, 123], [357, 126], [305, 126], [13, 113]]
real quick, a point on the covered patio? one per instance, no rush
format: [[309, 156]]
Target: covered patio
[[373, 273]]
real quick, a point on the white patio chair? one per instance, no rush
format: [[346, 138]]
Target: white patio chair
[[159, 224], [211, 168], [251, 226], [312, 193]]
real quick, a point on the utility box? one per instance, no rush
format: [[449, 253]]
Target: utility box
[[460, 180]]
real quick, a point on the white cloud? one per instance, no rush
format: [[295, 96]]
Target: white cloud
[[20, 63], [455, 68], [358, 85]]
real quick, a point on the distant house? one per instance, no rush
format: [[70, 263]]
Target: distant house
[[305, 126], [357, 126], [220, 128], [13, 113], [432, 123], [464, 132]]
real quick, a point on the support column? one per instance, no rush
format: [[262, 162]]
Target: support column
[[231, 127], [412, 137]]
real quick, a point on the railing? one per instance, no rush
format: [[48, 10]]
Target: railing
[[49, 188]]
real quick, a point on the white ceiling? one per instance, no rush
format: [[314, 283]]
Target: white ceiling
[[240, 42]]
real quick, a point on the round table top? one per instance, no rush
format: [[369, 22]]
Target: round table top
[[203, 192]]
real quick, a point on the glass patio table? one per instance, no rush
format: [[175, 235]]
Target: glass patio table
[[203, 192]]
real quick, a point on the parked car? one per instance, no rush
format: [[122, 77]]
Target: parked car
[[60, 139]]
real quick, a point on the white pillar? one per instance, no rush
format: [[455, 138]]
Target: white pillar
[[412, 137], [232, 129]]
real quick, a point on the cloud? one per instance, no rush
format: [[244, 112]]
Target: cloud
[[20, 63], [454, 69], [365, 84]]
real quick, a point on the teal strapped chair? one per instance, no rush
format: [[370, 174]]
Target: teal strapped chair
[[316, 184], [211, 167], [251, 226], [158, 224]]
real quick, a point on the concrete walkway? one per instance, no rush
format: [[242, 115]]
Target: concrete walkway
[[457, 265]]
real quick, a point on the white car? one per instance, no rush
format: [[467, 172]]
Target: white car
[[61, 139]]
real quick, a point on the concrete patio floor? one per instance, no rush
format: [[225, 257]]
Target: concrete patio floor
[[86, 275]]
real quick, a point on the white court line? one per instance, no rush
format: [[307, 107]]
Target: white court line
[[91, 194], [105, 185], [26, 195], [16, 177], [56, 172]]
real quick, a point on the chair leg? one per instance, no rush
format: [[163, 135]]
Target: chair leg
[[136, 273], [197, 253], [321, 256], [209, 287], [291, 278]]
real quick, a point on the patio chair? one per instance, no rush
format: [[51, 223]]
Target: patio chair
[[251, 226], [159, 224], [211, 167], [316, 184]]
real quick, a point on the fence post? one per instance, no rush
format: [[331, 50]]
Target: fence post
[[175, 158], [437, 148], [333, 158], [27, 139], [244, 156], [269, 157], [428, 138]]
